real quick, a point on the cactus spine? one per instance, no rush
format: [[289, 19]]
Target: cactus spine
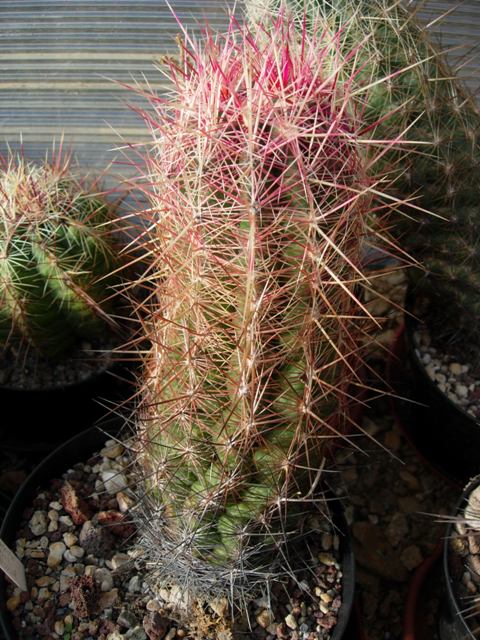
[[55, 257], [431, 105], [260, 204]]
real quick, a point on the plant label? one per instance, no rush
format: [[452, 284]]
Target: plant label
[[12, 567]]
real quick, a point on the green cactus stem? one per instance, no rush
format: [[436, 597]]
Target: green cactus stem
[[259, 211]]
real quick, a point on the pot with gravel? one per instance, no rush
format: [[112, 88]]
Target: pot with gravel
[[438, 403], [60, 319], [460, 618], [72, 526]]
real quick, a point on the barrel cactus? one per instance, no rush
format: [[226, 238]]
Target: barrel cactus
[[57, 257], [414, 90], [259, 209]]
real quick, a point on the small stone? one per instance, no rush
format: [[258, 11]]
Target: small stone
[[326, 597], [326, 541], [115, 635], [13, 602], [155, 626], [108, 599], [70, 539], [44, 581], [127, 619], [291, 621], [265, 618], [74, 505], [119, 559], [114, 481], [134, 584], [59, 627], [474, 544], [55, 555], [95, 539], [38, 523], [171, 634], [104, 578], [326, 559], [397, 529], [152, 605], [43, 594], [136, 634], [77, 551], [392, 440], [461, 390], [411, 557], [124, 502], [66, 520], [112, 450], [456, 369], [219, 606]]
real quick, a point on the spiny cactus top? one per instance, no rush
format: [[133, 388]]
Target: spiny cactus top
[[259, 211], [56, 255], [440, 170]]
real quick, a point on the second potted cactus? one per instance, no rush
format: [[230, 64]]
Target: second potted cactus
[[59, 315]]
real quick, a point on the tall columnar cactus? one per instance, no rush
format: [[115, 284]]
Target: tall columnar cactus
[[56, 257], [260, 204], [423, 97]]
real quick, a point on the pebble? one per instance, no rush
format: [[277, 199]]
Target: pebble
[[55, 555], [411, 557], [70, 539], [265, 618], [291, 621], [114, 481], [38, 523]]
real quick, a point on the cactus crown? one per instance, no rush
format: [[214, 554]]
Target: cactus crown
[[259, 211], [55, 256]]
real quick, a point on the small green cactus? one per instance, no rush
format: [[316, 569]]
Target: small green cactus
[[56, 257], [260, 206], [437, 166]]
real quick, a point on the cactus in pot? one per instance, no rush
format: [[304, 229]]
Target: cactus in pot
[[259, 209], [439, 169], [57, 257]]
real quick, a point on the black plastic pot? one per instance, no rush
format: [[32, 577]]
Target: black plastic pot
[[79, 448], [443, 433], [453, 622], [35, 421]]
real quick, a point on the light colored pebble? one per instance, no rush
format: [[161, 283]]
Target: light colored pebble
[[56, 551], [114, 481], [291, 621], [38, 523], [69, 538]]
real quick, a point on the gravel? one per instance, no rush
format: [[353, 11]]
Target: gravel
[[24, 368]]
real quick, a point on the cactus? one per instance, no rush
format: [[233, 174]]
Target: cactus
[[56, 257], [424, 98], [259, 210]]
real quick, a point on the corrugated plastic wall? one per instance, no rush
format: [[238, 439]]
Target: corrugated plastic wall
[[59, 57]]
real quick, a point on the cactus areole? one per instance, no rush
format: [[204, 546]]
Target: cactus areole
[[56, 257], [259, 207]]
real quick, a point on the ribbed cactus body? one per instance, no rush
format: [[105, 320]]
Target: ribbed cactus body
[[55, 258], [439, 169], [260, 206]]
